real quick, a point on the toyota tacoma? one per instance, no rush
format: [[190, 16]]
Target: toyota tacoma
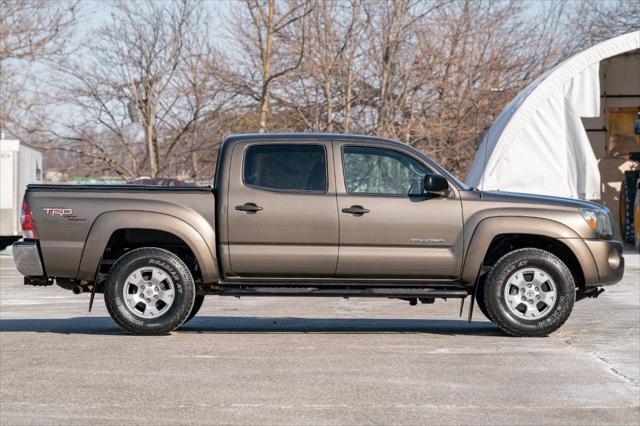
[[309, 215]]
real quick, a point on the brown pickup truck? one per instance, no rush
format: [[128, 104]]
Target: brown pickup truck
[[318, 215]]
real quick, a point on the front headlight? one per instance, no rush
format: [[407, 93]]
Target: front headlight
[[600, 221]]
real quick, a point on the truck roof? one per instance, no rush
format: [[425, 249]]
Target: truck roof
[[293, 136]]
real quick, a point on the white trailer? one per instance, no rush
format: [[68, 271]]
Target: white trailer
[[20, 165]]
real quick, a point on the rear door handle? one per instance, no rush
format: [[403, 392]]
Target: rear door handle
[[249, 208], [355, 210]]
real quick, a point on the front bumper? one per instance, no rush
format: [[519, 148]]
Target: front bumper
[[27, 258], [609, 260]]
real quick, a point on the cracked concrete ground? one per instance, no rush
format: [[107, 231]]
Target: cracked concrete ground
[[315, 361]]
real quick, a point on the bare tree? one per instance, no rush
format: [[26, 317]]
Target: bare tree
[[33, 29], [150, 64], [320, 91], [151, 94], [475, 59], [357, 27], [433, 73], [595, 21], [263, 30], [30, 31], [394, 57]]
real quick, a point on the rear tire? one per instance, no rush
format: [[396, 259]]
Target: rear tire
[[137, 286], [197, 304], [529, 292]]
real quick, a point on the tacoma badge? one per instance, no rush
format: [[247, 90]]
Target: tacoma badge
[[427, 240]]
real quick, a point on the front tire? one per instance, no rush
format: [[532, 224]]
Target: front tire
[[149, 291], [529, 292], [480, 297]]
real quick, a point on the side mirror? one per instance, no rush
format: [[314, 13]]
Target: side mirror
[[435, 183]]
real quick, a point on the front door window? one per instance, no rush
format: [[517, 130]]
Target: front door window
[[370, 170]]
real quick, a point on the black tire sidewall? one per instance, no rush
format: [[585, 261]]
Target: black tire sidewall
[[498, 279], [197, 304], [170, 264], [480, 298]]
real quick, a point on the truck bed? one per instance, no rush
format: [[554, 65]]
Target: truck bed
[[66, 215]]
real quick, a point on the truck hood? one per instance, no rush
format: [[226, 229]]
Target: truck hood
[[516, 197]]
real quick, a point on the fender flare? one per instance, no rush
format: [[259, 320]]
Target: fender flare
[[109, 222], [489, 228]]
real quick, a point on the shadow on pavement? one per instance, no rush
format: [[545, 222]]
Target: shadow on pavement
[[336, 325], [216, 324]]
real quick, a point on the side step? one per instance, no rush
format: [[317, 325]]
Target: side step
[[454, 293]]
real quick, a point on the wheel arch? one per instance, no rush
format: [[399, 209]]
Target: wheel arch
[[496, 236], [107, 226], [506, 243]]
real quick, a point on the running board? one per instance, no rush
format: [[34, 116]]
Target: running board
[[339, 292]]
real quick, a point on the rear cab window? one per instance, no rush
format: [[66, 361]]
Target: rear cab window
[[286, 167]]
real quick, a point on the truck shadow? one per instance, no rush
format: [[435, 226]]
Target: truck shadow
[[243, 325]]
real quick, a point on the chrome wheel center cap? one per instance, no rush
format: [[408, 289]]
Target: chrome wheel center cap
[[149, 292], [530, 294]]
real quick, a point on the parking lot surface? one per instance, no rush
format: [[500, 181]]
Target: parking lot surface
[[315, 361]]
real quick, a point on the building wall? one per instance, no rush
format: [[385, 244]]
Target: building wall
[[620, 87]]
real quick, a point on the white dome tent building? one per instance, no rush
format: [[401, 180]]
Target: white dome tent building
[[569, 127]]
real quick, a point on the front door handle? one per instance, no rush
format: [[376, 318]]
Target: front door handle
[[355, 210], [249, 208]]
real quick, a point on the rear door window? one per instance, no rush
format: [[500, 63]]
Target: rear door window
[[286, 167]]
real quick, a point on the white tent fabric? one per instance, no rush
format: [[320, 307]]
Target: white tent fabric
[[538, 144]]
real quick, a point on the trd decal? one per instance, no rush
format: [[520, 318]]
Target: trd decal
[[63, 212], [57, 211]]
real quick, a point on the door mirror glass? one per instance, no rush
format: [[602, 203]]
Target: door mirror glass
[[435, 183]]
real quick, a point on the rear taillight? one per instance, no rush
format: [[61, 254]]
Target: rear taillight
[[28, 225]]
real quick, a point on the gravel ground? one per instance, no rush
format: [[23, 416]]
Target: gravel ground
[[315, 361]]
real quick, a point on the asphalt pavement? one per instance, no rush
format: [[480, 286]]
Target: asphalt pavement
[[315, 361]]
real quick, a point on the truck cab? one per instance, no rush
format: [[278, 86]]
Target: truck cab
[[353, 209]]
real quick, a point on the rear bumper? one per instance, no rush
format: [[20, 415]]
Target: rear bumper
[[27, 258], [609, 260]]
